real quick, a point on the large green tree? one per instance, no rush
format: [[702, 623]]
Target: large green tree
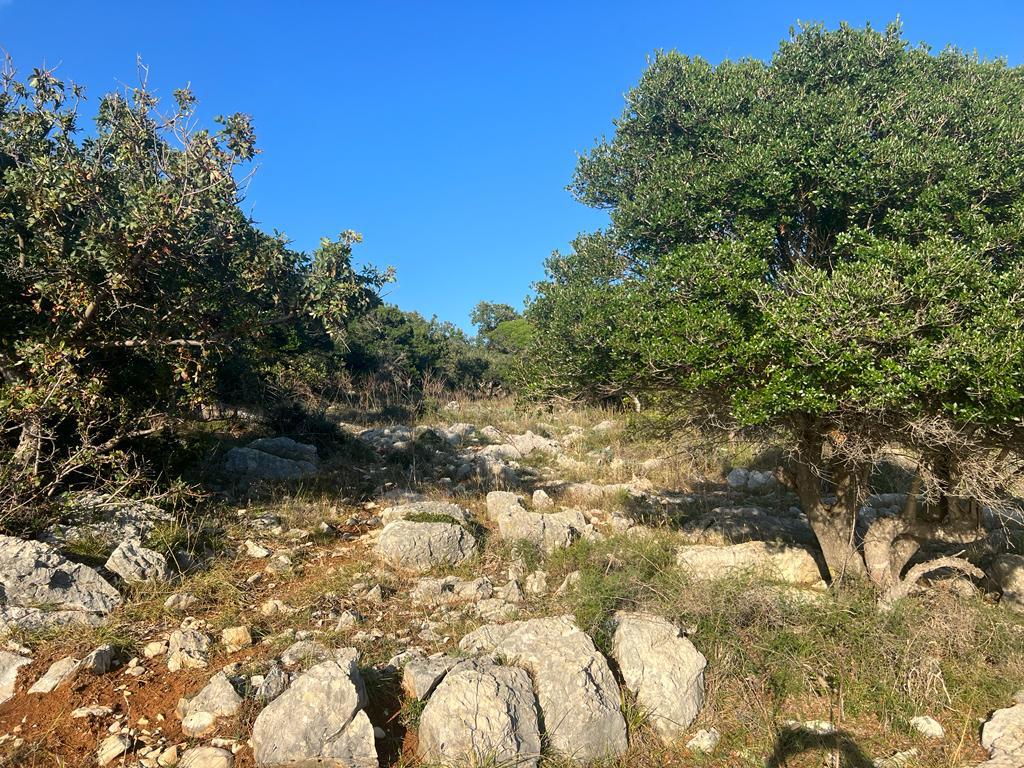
[[132, 286], [827, 245]]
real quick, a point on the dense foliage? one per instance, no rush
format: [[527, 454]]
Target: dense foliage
[[827, 244], [133, 289]]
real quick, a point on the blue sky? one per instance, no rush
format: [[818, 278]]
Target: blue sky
[[444, 132]]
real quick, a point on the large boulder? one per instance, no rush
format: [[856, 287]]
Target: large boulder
[[736, 525], [1003, 737], [104, 518], [663, 670], [286, 448], [420, 546], [777, 562], [434, 511], [33, 575], [548, 530], [1008, 571], [133, 562], [319, 720], [481, 713], [272, 459], [576, 691]]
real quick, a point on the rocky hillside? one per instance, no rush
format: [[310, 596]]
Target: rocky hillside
[[514, 594]]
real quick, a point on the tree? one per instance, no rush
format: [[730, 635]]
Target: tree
[[130, 279], [826, 245], [487, 316]]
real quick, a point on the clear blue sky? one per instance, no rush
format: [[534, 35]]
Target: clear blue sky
[[444, 132]]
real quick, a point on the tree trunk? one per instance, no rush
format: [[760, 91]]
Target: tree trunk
[[833, 524]]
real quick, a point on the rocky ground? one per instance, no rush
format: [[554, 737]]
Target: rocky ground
[[513, 594]]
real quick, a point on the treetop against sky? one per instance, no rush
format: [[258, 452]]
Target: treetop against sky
[[445, 133]]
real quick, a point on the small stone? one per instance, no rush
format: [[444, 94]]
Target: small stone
[[207, 757], [112, 748], [199, 724], [927, 726], [59, 672], [542, 501], [99, 661], [180, 601], [536, 583], [94, 710], [235, 638], [168, 757], [274, 607], [153, 649], [705, 741], [254, 550]]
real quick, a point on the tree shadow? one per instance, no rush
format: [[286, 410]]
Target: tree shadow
[[792, 742]]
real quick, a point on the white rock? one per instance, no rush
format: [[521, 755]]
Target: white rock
[[1003, 737], [550, 531], [254, 550], [422, 546], [704, 741], [792, 565], [10, 663], [319, 720], [577, 694], [235, 639], [59, 672], [662, 668], [199, 724], [112, 748], [481, 713], [134, 562], [34, 574], [206, 757], [927, 726]]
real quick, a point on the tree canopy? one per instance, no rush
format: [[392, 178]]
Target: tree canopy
[[827, 243], [133, 287]]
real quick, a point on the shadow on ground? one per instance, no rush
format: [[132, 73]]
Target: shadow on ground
[[791, 743]]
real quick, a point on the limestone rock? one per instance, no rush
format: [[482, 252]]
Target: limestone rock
[[1008, 571], [451, 590], [218, 697], [481, 713], [286, 448], [10, 663], [304, 650], [577, 694], [206, 757], [550, 531], [112, 748], [662, 668], [99, 661], [704, 741], [59, 672], [735, 525], [1003, 737], [319, 720], [187, 649], [134, 562], [34, 574], [792, 565], [422, 546], [257, 464], [421, 675], [927, 726], [198, 724], [427, 509], [235, 638]]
